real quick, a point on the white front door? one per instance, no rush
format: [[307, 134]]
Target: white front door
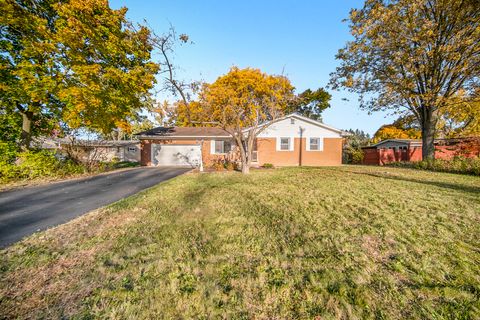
[[176, 155]]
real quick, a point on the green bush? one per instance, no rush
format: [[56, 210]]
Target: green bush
[[223, 164], [456, 165], [37, 164], [8, 152], [267, 165], [356, 156]]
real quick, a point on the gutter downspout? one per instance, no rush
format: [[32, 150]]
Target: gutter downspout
[[201, 156], [300, 160]]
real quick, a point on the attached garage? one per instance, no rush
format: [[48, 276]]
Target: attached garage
[[176, 155]]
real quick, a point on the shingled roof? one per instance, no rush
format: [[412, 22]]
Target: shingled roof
[[183, 132]]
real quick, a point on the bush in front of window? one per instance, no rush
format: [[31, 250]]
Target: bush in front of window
[[229, 165], [218, 165], [223, 164]]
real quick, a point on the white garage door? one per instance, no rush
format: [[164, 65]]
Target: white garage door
[[176, 155]]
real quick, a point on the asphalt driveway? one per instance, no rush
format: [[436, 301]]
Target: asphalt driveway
[[25, 211]]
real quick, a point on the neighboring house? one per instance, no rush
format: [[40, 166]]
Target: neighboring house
[[289, 141], [109, 150], [95, 150], [393, 150]]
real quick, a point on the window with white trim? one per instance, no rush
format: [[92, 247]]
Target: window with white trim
[[314, 144], [284, 144], [222, 147]]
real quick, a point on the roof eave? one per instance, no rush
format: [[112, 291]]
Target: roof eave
[[306, 119], [152, 137]]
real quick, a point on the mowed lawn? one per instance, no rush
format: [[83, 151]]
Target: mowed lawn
[[310, 243]]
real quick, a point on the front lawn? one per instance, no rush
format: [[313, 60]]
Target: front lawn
[[346, 242]]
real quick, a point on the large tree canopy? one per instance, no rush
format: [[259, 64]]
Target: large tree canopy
[[77, 61], [417, 54], [312, 103], [240, 102]]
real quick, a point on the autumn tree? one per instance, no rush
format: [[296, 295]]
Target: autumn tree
[[191, 114], [394, 132], [461, 119], [240, 102], [26, 71], [79, 62], [414, 54]]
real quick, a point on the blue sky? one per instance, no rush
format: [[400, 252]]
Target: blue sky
[[299, 38]]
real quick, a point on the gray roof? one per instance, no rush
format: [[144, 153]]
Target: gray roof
[[404, 141], [205, 132], [55, 143], [183, 132]]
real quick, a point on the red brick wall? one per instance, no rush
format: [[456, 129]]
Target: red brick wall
[[330, 156], [145, 153], [370, 156], [267, 153], [374, 156], [448, 152]]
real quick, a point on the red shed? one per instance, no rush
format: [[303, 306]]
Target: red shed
[[394, 150]]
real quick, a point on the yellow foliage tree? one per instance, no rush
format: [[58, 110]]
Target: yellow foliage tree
[[393, 132], [239, 102], [461, 119], [190, 114], [412, 54], [77, 62]]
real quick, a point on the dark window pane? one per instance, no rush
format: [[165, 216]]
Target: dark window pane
[[227, 146]]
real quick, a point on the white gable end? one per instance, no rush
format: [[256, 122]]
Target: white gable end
[[294, 127]]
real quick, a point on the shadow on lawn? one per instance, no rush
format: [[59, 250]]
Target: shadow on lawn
[[206, 185], [453, 186]]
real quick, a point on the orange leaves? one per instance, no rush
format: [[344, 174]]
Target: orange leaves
[[245, 97], [392, 132]]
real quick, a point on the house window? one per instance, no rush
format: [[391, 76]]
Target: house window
[[285, 144], [132, 149], [315, 144], [222, 147]]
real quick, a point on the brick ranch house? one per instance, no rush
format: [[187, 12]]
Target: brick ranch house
[[289, 141], [394, 150]]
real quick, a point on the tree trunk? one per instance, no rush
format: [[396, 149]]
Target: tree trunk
[[428, 135], [246, 154], [243, 153], [26, 136]]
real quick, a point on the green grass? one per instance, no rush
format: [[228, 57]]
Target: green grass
[[310, 243]]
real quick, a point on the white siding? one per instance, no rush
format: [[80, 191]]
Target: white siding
[[285, 128]]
